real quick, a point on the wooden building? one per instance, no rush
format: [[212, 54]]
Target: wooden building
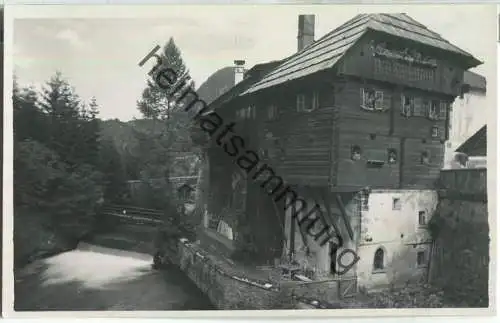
[[365, 106]]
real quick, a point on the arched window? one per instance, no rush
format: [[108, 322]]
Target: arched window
[[378, 260]]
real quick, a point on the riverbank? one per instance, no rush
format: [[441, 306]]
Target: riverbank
[[36, 238], [230, 286], [97, 278]]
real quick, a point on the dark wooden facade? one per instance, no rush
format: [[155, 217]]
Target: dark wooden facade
[[315, 147]]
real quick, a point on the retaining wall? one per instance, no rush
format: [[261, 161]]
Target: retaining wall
[[460, 257], [224, 290]]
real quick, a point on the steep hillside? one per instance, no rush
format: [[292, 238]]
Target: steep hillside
[[124, 137], [217, 84]]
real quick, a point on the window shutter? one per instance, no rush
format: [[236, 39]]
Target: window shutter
[[379, 100], [417, 107], [407, 103], [443, 107]]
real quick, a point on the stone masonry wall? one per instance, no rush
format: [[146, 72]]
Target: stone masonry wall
[[460, 258], [225, 291]]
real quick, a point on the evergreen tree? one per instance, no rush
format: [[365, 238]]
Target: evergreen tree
[[91, 127], [29, 121], [73, 127], [48, 176], [171, 134], [167, 137], [56, 185], [156, 102], [111, 167], [62, 107]]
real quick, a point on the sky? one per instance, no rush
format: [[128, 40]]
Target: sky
[[98, 49]]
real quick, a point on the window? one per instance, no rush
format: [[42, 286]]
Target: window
[[379, 101], [378, 260], [434, 110], [435, 131], [372, 100], [251, 112], [307, 103], [396, 203], [301, 102], [368, 99], [272, 112], [392, 156], [407, 103], [421, 259], [315, 101], [421, 218], [355, 152], [425, 158]]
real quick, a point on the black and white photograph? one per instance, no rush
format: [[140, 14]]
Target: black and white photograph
[[205, 158]]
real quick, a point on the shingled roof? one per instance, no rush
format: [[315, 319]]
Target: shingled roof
[[476, 144], [475, 81], [328, 50]]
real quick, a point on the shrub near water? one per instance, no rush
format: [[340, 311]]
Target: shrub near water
[[57, 183]]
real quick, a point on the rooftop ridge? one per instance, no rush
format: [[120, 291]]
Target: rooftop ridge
[[331, 47]]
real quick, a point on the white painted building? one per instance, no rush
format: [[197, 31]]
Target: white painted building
[[394, 244], [391, 239], [468, 115]]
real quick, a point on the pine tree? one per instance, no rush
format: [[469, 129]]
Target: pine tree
[[55, 188], [62, 107], [29, 121], [91, 127], [73, 126], [156, 102], [171, 134]]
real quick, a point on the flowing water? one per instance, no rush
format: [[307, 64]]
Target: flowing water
[[97, 278]]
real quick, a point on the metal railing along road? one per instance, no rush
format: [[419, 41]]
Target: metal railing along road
[[135, 214]]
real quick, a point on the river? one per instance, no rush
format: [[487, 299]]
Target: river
[[96, 278]]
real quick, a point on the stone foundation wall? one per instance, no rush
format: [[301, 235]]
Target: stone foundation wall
[[224, 290], [229, 291]]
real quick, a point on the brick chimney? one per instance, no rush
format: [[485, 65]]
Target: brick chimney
[[305, 36], [239, 71]]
